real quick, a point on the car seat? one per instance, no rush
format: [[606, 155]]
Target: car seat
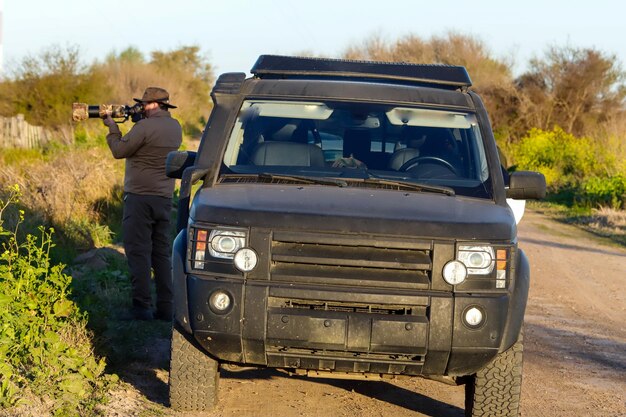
[[288, 154]]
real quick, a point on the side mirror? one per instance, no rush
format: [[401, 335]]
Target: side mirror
[[526, 185], [177, 161]]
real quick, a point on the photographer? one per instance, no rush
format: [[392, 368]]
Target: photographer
[[148, 201]]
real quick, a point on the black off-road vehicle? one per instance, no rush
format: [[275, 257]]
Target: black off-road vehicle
[[351, 221]]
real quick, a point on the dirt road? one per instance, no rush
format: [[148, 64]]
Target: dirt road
[[575, 351]]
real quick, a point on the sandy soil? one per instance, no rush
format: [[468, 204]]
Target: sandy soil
[[575, 351]]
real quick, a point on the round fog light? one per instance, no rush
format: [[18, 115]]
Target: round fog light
[[474, 317], [454, 272], [220, 301], [245, 259]]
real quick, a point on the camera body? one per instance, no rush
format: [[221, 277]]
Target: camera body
[[83, 111]]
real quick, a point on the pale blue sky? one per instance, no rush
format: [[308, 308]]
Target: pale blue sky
[[233, 33]]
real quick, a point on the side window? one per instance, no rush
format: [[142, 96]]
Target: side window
[[377, 146]]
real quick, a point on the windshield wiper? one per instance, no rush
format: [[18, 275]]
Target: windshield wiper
[[303, 179], [372, 179]]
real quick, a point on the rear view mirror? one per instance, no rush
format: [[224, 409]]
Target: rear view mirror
[[177, 161], [526, 185]]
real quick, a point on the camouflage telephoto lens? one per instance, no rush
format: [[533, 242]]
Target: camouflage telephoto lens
[[83, 111], [93, 112]]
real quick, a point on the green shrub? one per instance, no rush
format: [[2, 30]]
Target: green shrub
[[16, 156], [564, 159], [45, 350], [579, 171], [604, 192], [87, 233]]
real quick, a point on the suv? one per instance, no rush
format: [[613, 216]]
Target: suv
[[352, 221]]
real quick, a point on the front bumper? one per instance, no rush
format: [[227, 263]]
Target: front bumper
[[287, 326], [370, 322]]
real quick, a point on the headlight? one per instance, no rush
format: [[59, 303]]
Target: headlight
[[479, 260], [454, 272], [221, 243], [485, 262], [225, 243]]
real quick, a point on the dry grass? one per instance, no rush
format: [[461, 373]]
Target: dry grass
[[67, 190], [607, 218], [606, 222]]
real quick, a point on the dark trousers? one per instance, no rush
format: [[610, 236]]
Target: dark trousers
[[146, 230]]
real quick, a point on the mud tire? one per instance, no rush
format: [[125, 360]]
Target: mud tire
[[194, 376], [495, 390]]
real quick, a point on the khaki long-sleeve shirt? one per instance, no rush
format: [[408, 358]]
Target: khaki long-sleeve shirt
[[145, 148]]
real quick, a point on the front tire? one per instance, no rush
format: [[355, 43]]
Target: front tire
[[194, 376], [496, 389]]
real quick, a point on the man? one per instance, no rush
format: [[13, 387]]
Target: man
[[148, 201]]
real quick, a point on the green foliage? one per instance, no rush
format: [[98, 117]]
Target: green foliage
[[20, 156], [184, 72], [45, 85], [87, 232], [130, 54], [45, 350], [578, 171], [186, 59], [604, 192], [564, 159], [579, 89]]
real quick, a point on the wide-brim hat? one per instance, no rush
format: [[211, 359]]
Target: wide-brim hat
[[156, 95]]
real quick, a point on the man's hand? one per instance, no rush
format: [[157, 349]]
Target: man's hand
[[108, 121]]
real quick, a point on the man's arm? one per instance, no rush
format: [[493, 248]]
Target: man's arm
[[127, 145]]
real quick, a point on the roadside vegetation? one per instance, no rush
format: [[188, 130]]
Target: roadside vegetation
[[47, 360], [60, 339]]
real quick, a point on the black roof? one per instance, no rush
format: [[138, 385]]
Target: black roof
[[275, 66]]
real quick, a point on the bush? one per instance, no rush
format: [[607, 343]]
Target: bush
[[45, 350], [44, 86], [564, 159], [604, 192], [578, 171]]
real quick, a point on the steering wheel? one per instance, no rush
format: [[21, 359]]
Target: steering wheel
[[413, 162]]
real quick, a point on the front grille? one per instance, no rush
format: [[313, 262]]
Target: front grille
[[354, 308], [333, 259]]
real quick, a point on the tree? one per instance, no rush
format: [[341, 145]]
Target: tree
[[450, 49], [491, 76], [183, 72], [44, 86], [190, 77], [577, 89]]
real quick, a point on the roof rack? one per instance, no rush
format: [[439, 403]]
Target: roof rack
[[276, 66]]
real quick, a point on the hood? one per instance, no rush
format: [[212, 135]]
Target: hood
[[353, 210]]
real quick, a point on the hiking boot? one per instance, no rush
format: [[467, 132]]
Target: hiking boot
[[137, 313], [164, 315]]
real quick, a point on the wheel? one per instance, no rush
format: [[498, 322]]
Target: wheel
[[413, 162], [194, 376], [496, 389]]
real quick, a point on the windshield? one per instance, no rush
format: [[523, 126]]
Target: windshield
[[357, 143]]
